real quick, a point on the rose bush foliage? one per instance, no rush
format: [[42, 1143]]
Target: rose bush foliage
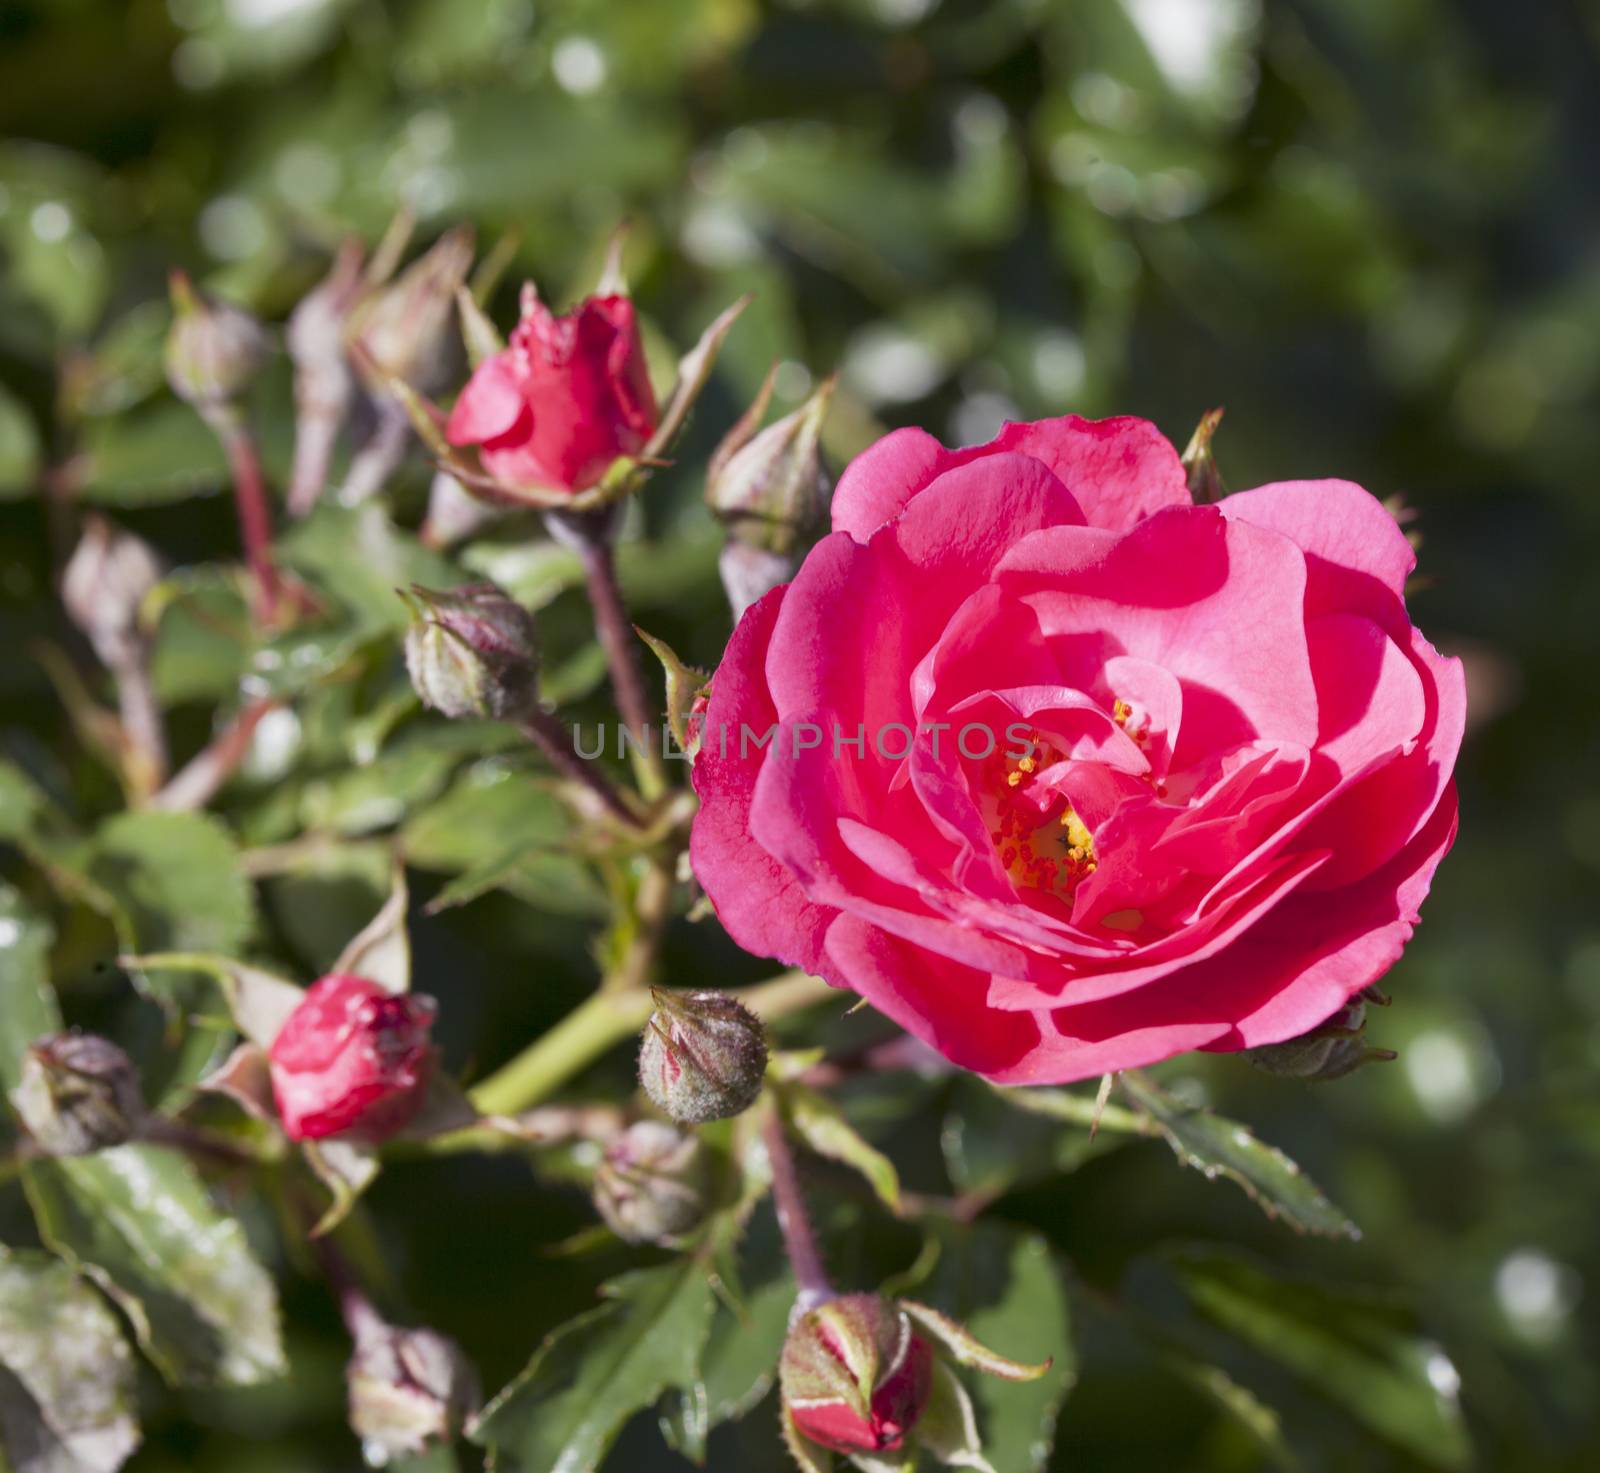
[[1237, 780]]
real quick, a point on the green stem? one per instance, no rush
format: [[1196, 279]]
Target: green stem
[[545, 1065]]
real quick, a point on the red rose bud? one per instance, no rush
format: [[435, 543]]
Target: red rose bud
[[770, 491], [353, 1060], [107, 579], [402, 330], [855, 1375], [566, 399], [653, 1184], [473, 651], [213, 351], [1329, 1051], [78, 1093], [703, 1056], [410, 1390]]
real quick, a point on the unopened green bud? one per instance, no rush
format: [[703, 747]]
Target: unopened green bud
[[107, 579], [473, 651], [214, 350], [1329, 1051], [410, 1390], [653, 1184], [78, 1094], [769, 488], [703, 1056], [404, 329]]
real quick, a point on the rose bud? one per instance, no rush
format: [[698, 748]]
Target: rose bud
[[214, 351], [855, 1375], [703, 1056], [401, 330], [353, 1061], [107, 579], [1329, 1051], [770, 491], [654, 1183], [566, 398], [473, 651], [409, 1390], [78, 1093]]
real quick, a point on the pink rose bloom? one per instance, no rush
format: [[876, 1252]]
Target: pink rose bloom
[[353, 1060], [1220, 780], [566, 398]]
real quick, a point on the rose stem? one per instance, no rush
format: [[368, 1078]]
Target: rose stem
[[799, 1238], [553, 739], [141, 721], [618, 640], [255, 514], [205, 774]]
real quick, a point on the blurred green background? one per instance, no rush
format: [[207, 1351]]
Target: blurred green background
[[1370, 228]]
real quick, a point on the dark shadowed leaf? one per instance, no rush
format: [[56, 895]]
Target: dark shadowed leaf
[[991, 1145], [1359, 1348], [1217, 1147], [737, 1370], [67, 1376], [139, 1221], [595, 1372], [1001, 1284]]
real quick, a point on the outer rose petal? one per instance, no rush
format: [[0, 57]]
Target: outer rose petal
[[1350, 541], [488, 406], [876, 485], [931, 997], [1119, 470], [758, 901]]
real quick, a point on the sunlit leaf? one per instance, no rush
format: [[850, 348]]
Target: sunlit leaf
[[27, 1005], [1216, 1147], [67, 1376], [827, 1130], [138, 1220]]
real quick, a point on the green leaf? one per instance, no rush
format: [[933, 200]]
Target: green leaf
[[738, 1368], [948, 1427], [27, 1004], [1001, 1284], [174, 880], [592, 1374], [67, 1376], [358, 557], [490, 809], [157, 454], [1239, 1402], [827, 1130], [1216, 1147], [1358, 1348], [138, 1220], [19, 449], [992, 1144]]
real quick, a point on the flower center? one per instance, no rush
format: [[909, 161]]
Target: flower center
[[1050, 850]]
